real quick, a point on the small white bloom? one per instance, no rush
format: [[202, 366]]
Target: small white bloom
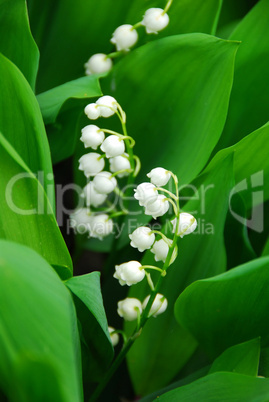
[[92, 197], [113, 146], [154, 20], [104, 183], [101, 226], [128, 307], [114, 337], [107, 106], [124, 37], [91, 164], [160, 250], [142, 238], [158, 207], [158, 306], [92, 136], [81, 219], [187, 224], [129, 273], [120, 163], [159, 176], [146, 194], [98, 63], [92, 111]]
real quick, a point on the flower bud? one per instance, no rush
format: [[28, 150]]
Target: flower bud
[[101, 226], [113, 146], [146, 193], [142, 238], [92, 136], [107, 106], [158, 306], [91, 111], [129, 273], [187, 224], [154, 20], [159, 176], [113, 336], [124, 37], [120, 163], [127, 308], [98, 63], [104, 183], [92, 197], [81, 218], [90, 164], [158, 207]]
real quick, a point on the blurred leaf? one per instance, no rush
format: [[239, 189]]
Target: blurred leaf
[[228, 309], [38, 321], [249, 102], [241, 359], [93, 319], [226, 387], [168, 344], [21, 123], [16, 40], [26, 215], [266, 249]]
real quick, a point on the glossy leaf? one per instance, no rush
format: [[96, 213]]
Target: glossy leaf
[[231, 307], [26, 215], [16, 39], [226, 387], [38, 327]]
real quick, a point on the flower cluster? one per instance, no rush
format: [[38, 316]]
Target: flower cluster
[[126, 36]]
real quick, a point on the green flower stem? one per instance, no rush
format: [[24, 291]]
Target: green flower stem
[[167, 192], [121, 171], [168, 5], [167, 241], [150, 283], [137, 25], [119, 213], [176, 210], [137, 165], [151, 267], [123, 137], [114, 55]]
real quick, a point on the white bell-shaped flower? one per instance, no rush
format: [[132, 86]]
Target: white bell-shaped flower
[[113, 336], [160, 250], [120, 163], [92, 111], [92, 136], [158, 207], [91, 164], [93, 197], [154, 20], [142, 238], [81, 218], [128, 308], [113, 146], [158, 306], [159, 176], [101, 226], [124, 37], [107, 106], [146, 194], [98, 63], [104, 182], [187, 224], [129, 273]]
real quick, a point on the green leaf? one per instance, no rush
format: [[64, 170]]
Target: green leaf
[[168, 344], [26, 215], [37, 326], [228, 309], [241, 359], [226, 387], [93, 320], [21, 122], [16, 40], [249, 104]]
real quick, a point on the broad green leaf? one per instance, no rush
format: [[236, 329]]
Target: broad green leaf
[[26, 215], [37, 323], [16, 41], [266, 248], [227, 309], [249, 104], [21, 122], [201, 255], [93, 320], [226, 387], [241, 359], [52, 101]]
